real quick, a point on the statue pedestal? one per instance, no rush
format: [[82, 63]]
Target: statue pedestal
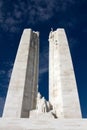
[[34, 114]]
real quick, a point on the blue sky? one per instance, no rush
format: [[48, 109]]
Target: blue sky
[[42, 15]]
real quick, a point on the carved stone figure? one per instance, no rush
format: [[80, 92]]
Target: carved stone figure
[[42, 105]]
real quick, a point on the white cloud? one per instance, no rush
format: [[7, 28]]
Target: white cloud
[[41, 10], [43, 70], [6, 73], [2, 72], [43, 62], [33, 11], [9, 73]]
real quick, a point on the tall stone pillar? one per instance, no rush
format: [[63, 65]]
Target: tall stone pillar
[[22, 91], [63, 93]]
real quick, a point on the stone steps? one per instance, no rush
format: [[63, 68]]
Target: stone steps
[[42, 124]]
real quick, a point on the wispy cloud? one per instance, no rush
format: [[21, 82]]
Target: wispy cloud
[[43, 62], [43, 70], [14, 13], [9, 73], [2, 72], [5, 73]]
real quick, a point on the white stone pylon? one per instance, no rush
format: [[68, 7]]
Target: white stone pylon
[[22, 91], [63, 94]]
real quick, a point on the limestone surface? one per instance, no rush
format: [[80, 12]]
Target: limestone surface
[[63, 94], [42, 124], [22, 91]]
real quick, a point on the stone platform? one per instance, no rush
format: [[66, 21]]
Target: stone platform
[[42, 124]]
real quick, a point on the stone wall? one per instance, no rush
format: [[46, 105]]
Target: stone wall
[[22, 91], [63, 93]]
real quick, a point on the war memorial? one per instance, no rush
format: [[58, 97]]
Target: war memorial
[[25, 108]]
